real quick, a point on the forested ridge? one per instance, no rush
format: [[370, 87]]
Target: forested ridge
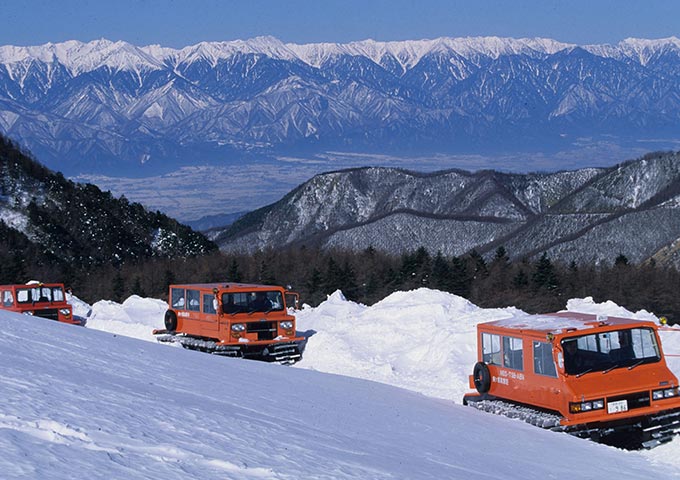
[[536, 286], [53, 227]]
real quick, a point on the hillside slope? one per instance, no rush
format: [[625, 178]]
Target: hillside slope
[[587, 215], [106, 406], [49, 220]]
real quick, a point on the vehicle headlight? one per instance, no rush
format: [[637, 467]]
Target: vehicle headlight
[[664, 393], [579, 407], [286, 325], [238, 327], [65, 312]]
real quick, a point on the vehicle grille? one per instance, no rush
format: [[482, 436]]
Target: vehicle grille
[[51, 313], [264, 330], [635, 400]]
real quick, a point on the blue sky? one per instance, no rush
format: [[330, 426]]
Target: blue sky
[[178, 23]]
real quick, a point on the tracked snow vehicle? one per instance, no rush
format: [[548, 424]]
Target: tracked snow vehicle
[[235, 320], [46, 300], [595, 377]]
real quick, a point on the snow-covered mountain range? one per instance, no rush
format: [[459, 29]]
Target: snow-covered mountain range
[[587, 215], [112, 106]]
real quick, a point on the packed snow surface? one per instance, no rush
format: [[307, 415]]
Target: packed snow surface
[[92, 402]]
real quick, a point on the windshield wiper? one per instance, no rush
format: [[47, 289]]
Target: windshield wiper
[[638, 363], [584, 372], [610, 368]]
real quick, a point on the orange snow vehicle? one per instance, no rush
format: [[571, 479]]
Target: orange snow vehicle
[[235, 320], [46, 300], [596, 377]]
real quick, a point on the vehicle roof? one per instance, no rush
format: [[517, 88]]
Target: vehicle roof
[[227, 286], [564, 322]]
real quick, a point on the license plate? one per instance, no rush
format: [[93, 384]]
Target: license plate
[[618, 406]]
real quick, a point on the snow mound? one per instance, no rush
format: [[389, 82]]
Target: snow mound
[[422, 340], [136, 317], [588, 305]]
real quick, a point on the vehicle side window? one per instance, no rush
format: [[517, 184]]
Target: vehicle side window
[[491, 349], [24, 295], [194, 300], [177, 298], [543, 359], [208, 303], [7, 298], [512, 353], [57, 294]]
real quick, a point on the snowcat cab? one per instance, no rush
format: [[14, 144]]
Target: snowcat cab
[[235, 319], [602, 378], [46, 300]]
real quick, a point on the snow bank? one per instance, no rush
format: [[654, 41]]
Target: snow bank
[[136, 317], [588, 305], [422, 340]]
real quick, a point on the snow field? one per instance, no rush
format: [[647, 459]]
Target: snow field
[[82, 403], [422, 340]]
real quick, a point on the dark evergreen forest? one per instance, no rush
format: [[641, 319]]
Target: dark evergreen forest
[[536, 286]]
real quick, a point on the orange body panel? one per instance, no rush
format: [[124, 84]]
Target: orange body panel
[[535, 361], [229, 313], [45, 300]]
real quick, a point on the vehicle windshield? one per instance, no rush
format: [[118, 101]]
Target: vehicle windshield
[[249, 302], [40, 293], [609, 350]]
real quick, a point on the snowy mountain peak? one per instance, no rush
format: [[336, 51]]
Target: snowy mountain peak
[[494, 47], [409, 52], [215, 51], [645, 43], [640, 50], [79, 57]]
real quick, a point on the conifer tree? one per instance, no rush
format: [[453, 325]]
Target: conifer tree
[[461, 281], [137, 288], [621, 260], [233, 273], [544, 274], [118, 287], [520, 280], [478, 264], [441, 273]]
